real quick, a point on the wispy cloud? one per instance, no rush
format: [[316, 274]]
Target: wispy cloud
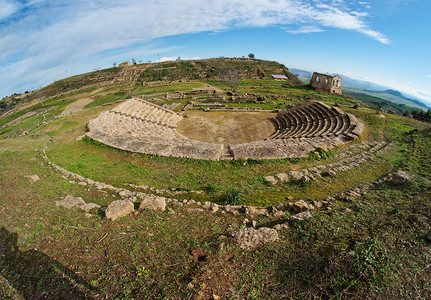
[[40, 39], [7, 8], [305, 29], [173, 58], [429, 76]]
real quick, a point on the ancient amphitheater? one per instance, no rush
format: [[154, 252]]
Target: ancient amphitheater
[[137, 125]]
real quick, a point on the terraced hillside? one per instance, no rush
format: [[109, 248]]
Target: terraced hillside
[[85, 215]]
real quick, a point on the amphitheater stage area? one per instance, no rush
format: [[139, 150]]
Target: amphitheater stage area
[[140, 126], [227, 127]]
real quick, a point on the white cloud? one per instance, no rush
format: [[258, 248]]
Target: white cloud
[[173, 58], [7, 8], [305, 29], [50, 36], [429, 76]]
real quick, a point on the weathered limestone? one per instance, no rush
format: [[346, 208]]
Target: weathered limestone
[[153, 202], [118, 209], [302, 216], [283, 177], [249, 238], [33, 178], [89, 206], [301, 206], [70, 201], [353, 157], [401, 177], [271, 179], [140, 126]]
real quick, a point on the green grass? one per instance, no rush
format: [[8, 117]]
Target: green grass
[[378, 249], [105, 164]]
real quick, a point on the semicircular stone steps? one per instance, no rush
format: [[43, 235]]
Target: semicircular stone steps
[[316, 119], [140, 126]]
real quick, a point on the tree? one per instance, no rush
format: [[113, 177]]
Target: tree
[[3, 105], [133, 61], [251, 55], [229, 74], [115, 64]]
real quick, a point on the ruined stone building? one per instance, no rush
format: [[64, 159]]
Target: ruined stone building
[[124, 64], [327, 83]]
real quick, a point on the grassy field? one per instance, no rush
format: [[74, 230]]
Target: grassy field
[[373, 247]]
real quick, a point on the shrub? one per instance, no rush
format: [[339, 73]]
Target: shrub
[[232, 197], [212, 189]]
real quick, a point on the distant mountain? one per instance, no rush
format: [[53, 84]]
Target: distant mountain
[[302, 75], [362, 89]]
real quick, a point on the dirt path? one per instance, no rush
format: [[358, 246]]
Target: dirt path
[[227, 127], [76, 106]]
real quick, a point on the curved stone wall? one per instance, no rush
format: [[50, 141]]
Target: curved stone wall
[[140, 126]]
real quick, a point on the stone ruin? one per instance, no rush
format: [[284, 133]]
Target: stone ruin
[[140, 126], [327, 83]]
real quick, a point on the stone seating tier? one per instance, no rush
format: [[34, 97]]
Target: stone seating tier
[[315, 119], [140, 126]]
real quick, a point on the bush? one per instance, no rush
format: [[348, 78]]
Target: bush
[[232, 197], [212, 189]]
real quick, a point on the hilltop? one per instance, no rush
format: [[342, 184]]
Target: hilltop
[[344, 220]]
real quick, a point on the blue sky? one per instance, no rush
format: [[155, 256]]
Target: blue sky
[[385, 42]]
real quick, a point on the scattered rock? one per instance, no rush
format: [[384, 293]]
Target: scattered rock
[[89, 206], [306, 179], [280, 206], [244, 210], [281, 226], [401, 177], [303, 215], [279, 214], [300, 206], [214, 207], [331, 173], [119, 208], [153, 202], [295, 175], [318, 204], [191, 209], [271, 179], [70, 201], [206, 204], [283, 177], [249, 238], [33, 178], [124, 193]]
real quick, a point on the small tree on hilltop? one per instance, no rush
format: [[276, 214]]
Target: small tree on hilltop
[[251, 56]]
